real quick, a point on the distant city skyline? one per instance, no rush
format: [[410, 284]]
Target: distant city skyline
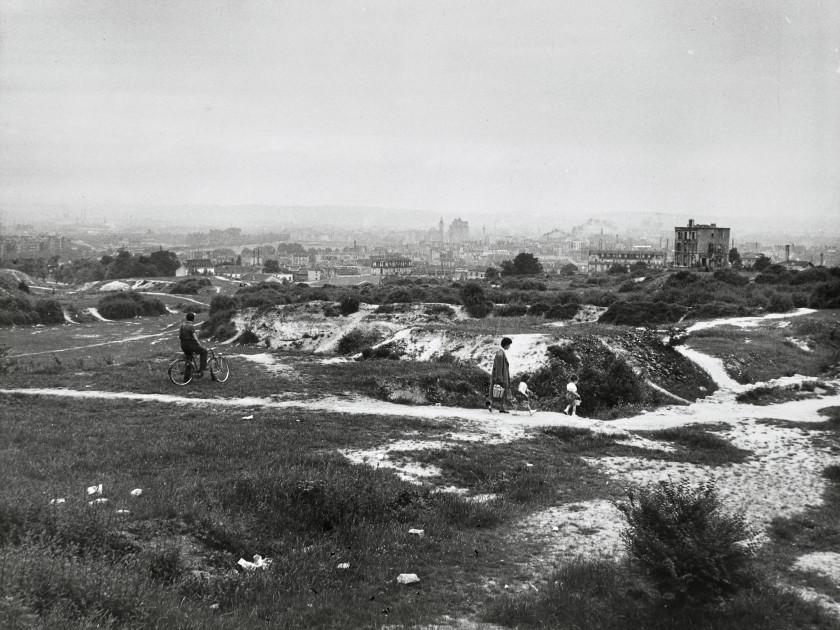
[[535, 110]]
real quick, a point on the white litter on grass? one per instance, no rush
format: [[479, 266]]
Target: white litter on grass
[[343, 566], [97, 489], [407, 578], [123, 511], [57, 501], [251, 417], [136, 492], [98, 501], [258, 563], [416, 532]]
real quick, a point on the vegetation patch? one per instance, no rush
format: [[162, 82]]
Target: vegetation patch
[[696, 446], [773, 394], [190, 286], [127, 304]]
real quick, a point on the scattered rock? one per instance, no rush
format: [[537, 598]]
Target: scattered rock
[[407, 578]]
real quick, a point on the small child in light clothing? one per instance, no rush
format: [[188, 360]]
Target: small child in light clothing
[[523, 394], [572, 397]]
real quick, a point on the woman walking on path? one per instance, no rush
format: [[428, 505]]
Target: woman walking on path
[[572, 396], [500, 378]]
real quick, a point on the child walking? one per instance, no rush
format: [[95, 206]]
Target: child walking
[[523, 394], [572, 397]]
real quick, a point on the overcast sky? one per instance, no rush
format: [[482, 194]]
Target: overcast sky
[[712, 109]]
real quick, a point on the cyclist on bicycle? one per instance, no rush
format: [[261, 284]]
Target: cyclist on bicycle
[[190, 344]]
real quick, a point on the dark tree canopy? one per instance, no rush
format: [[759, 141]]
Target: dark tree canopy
[[761, 263], [524, 264], [474, 301]]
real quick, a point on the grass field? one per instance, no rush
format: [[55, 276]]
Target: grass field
[[220, 483]]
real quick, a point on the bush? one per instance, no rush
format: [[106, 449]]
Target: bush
[[728, 276], [691, 550], [223, 303], [474, 301], [539, 309], [826, 295], [22, 286], [442, 310], [357, 339], [127, 304], [562, 311], [348, 305], [511, 310], [189, 286], [49, 311], [642, 313], [399, 296], [780, 303], [564, 353], [248, 336]]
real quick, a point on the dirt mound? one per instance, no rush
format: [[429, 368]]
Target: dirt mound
[[16, 276]]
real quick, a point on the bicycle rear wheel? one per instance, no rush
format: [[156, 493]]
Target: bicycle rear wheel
[[178, 373], [219, 369]]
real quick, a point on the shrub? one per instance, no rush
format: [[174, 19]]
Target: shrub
[[474, 301], [564, 353], [610, 384], [716, 309], [728, 276], [223, 303], [510, 310], [248, 336], [357, 339], [539, 309], [22, 286], [641, 313], [443, 310], [826, 295], [568, 297], [127, 304], [532, 285], [562, 311], [690, 549], [189, 286], [348, 305], [780, 303], [49, 311], [398, 296], [400, 307]]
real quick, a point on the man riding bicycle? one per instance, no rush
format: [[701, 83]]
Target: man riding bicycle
[[190, 345]]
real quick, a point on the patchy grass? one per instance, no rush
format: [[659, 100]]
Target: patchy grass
[[217, 487], [753, 355], [770, 395], [604, 595], [695, 445], [832, 424], [537, 472]]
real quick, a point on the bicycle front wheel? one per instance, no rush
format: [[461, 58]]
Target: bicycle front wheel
[[219, 369], [178, 373]]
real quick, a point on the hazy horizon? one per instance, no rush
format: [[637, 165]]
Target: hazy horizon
[[529, 110]]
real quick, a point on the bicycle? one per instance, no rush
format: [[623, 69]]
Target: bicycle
[[182, 372]]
